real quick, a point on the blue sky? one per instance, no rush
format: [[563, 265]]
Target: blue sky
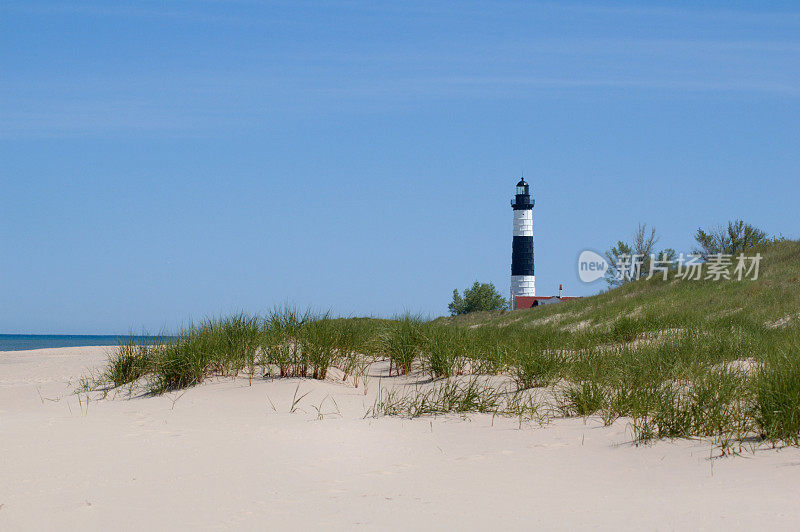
[[166, 161]]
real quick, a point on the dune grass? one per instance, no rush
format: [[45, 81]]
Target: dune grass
[[676, 359], [285, 343], [776, 405]]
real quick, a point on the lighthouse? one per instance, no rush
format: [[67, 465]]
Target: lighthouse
[[522, 277]]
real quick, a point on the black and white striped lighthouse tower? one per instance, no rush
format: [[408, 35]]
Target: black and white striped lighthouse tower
[[522, 277]]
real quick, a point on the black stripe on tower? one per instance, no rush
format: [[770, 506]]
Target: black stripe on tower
[[522, 255], [522, 202]]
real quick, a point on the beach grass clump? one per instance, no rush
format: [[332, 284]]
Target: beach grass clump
[[486, 358], [657, 411], [443, 350], [319, 339], [625, 330], [239, 337], [719, 401], [402, 342], [285, 343], [536, 367], [777, 399], [582, 399], [474, 394], [130, 361], [712, 403], [356, 347], [180, 364], [280, 345], [461, 395], [223, 346]]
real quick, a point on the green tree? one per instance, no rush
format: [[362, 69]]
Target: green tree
[[482, 296], [628, 262], [736, 238], [617, 257]]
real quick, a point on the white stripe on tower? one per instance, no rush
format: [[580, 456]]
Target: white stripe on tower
[[523, 223], [523, 285]]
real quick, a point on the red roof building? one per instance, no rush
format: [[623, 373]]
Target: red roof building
[[535, 301]]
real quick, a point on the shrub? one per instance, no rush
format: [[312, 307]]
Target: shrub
[[482, 296]]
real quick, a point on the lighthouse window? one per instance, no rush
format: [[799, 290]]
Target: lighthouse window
[[520, 190]]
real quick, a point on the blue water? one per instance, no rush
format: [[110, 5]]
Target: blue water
[[22, 342]]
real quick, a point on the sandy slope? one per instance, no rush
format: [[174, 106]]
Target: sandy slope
[[219, 456]]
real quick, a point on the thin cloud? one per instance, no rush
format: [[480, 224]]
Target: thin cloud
[[196, 113], [193, 11]]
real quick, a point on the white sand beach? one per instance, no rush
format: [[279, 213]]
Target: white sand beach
[[219, 456]]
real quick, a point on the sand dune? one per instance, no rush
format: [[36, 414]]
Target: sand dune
[[220, 456]]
